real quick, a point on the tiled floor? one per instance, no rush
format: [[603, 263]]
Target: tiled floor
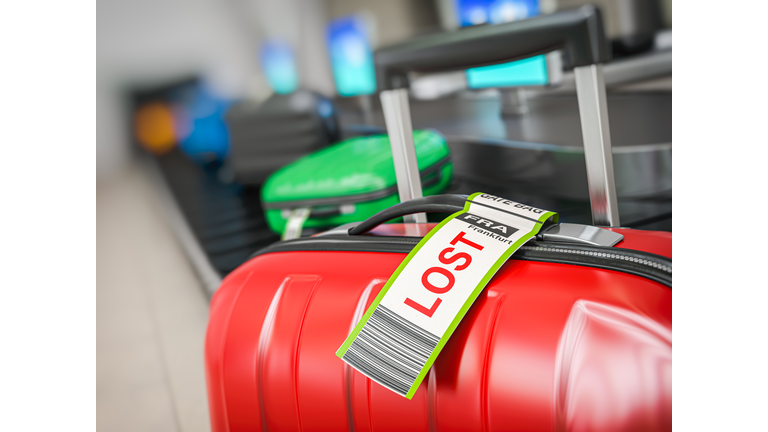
[[151, 316]]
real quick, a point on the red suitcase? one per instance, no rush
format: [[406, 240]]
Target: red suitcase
[[564, 337], [568, 335]]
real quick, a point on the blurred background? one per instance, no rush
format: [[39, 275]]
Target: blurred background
[[199, 102]]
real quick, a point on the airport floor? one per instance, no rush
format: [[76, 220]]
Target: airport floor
[[151, 315]]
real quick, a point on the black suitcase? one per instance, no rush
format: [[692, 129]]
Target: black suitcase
[[268, 136]]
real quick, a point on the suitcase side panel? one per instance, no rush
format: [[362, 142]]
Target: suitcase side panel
[[323, 390], [538, 300], [222, 303], [603, 349], [240, 355], [461, 369], [279, 344]]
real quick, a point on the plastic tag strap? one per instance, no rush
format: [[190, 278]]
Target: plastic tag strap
[[295, 223]]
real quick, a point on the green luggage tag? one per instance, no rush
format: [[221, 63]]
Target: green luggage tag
[[417, 310]]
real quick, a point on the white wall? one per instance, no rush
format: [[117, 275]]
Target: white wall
[[146, 42]]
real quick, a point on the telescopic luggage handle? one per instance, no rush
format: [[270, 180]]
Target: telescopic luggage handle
[[578, 32]]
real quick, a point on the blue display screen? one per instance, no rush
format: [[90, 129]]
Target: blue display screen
[[528, 72], [474, 12], [351, 57], [279, 66]]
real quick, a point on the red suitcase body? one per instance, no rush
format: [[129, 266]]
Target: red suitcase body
[[546, 346]]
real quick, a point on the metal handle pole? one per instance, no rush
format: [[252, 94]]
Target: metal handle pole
[[398, 118], [593, 110]]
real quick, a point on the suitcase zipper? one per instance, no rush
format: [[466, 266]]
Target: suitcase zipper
[[644, 264], [641, 261]]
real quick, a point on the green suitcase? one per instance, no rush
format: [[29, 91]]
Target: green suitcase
[[349, 181]]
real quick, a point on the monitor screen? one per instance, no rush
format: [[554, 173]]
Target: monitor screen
[[351, 56], [527, 72], [474, 12], [279, 66]]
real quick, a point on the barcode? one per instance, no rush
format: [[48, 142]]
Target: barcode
[[391, 350]]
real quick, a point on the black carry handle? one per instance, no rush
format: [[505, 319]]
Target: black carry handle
[[430, 204], [579, 32], [447, 203]]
